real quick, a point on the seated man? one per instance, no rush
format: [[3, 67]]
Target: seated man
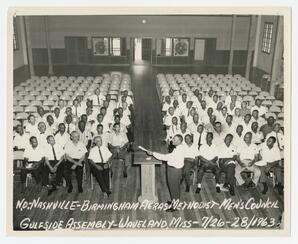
[[246, 162], [75, 156], [31, 127], [62, 137], [208, 161], [191, 152], [21, 139], [54, 156], [99, 159], [270, 161], [33, 163], [227, 162], [118, 145]]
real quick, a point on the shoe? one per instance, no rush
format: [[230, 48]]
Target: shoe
[[80, 189], [169, 203], [69, 190], [232, 190], [108, 193], [265, 189], [218, 189], [198, 190], [50, 191], [187, 188], [171, 210], [280, 189], [226, 185]]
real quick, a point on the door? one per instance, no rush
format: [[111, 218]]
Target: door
[[142, 50]]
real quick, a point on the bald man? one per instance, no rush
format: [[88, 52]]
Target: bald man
[[75, 155]]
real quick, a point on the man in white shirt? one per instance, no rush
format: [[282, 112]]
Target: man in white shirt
[[172, 130], [208, 161], [257, 136], [199, 137], [118, 145], [270, 162], [279, 136], [104, 135], [62, 137], [218, 135], [195, 123], [167, 104], [228, 125], [100, 159], [237, 118], [246, 123], [175, 163], [256, 118], [247, 157], [21, 139], [168, 118], [41, 117], [31, 127], [75, 152], [33, 163], [42, 135], [99, 121], [54, 156], [97, 98], [227, 162], [261, 109], [85, 134], [69, 125], [191, 153], [238, 136], [51, 125], [58, 116]]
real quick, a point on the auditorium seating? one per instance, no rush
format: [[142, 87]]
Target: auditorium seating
[[46, 91], [222, 85]]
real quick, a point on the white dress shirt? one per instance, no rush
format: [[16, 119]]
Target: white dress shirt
[[208, 152], [268, 155], [247, 151], [75, 151], [62, 139], [174, 159], [21, 141], [34, 154], [95, 156], [49, 154], [118, 140], [190, 151], [32, 130]]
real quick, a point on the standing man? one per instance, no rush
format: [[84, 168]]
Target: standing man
[[99, 159], [175, 163], [75, 155]]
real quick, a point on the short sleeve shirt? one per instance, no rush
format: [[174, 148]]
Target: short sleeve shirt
[[75, 151]]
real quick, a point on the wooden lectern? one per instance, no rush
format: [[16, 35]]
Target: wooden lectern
[[147, 163]]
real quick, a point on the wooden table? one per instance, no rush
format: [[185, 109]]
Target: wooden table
[[147, 163]]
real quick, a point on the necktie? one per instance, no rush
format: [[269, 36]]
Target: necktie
[[76, 111], [101, 158], [98, 100], [277, 140], [54, 153], [68, 128], [199, 143]]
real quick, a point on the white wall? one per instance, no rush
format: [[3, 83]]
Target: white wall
[[131, 26]]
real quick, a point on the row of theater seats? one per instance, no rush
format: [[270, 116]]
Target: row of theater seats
[[223, 85], [47, 91]]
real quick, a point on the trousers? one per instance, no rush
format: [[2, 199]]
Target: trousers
[[174, 176], [254, 169], [229, 169], [189, 164], [102, 177], [36, 171], [67, 173], [210, 166], [46, 172], [273, 167]]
